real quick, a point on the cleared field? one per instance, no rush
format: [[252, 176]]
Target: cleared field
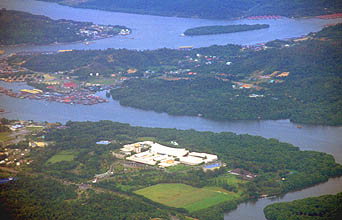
[[65, 155], [185, 196], [5, 136], [35, 129]]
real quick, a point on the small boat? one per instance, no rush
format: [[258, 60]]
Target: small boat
[[299, 126]]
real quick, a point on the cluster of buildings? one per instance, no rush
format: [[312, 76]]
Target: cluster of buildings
[[148, 152], [102, 31], [125, 32], [14, 157]]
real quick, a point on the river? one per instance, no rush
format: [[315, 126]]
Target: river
[[152, 32]]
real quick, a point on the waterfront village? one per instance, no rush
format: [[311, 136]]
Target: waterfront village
[[96, 32], [18, 138]]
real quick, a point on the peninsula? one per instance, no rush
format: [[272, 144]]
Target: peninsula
[[72, 170], [25, 28]]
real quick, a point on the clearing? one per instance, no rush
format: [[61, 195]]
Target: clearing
[[185, 196], [65, 155]]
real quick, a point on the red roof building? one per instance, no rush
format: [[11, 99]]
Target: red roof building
[[70, 85]]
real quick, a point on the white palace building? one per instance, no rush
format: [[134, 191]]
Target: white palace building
[[163, 156]]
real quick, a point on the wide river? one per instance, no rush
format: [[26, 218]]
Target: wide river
[[152, 32]]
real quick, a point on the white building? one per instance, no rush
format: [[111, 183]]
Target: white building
[[190, 160], [175, 152], [207, 158], [164, 156]]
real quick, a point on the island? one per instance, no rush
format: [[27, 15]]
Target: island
[[25, 28], [223, 29], [327, 207], [214, 9], [110, 170], [230, 82]]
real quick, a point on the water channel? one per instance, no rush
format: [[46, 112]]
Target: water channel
[[152, 32]]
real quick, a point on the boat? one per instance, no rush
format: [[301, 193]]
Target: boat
[[299, 126]]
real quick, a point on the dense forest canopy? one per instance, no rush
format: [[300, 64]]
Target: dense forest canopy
[[328, 207], [21, 27], [38, 197], [219, 9]]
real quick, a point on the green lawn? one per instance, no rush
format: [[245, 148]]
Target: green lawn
[[35, 128], [177, 168], [65, 155], [229, 179], [185, 196], [4, 136]]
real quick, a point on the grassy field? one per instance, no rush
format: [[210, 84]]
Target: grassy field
[[185, 196], [35, 129], [65, 155], [229, 179], [4, 136], [177, 168]]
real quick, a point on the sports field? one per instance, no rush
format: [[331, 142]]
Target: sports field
[[185, 196], [65, 155]]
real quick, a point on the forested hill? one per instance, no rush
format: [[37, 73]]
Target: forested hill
[[252, 87], [328, 207], [219, 9], [25, 28]]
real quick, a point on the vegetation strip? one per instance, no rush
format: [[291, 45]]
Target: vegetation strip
[[208, 30]]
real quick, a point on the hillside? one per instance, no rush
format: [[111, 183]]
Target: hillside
[[218, 9], [301, 82]]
